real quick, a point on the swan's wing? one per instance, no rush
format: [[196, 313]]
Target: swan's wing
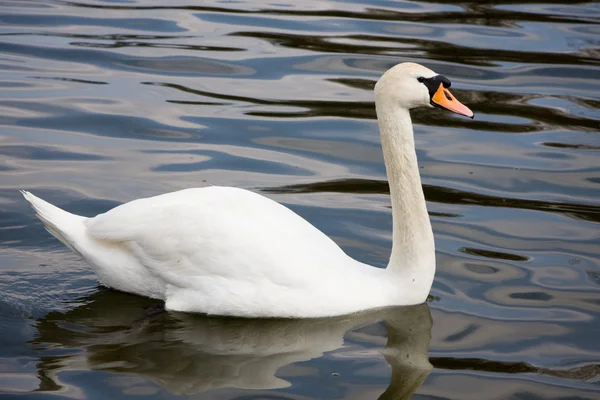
[[217, 232]]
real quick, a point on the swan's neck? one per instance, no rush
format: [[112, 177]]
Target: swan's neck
[[413, 251]]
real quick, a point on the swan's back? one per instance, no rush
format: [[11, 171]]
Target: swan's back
[[214, 220]]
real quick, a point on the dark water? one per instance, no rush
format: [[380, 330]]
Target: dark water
[[102, 102]]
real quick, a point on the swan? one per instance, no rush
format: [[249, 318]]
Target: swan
[[232, 252]]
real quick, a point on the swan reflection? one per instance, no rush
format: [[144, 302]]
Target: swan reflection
[[188, 354]]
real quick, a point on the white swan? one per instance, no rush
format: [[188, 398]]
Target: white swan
[[228, 251]]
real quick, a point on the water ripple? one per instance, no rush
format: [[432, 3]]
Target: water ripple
[[106, 101]]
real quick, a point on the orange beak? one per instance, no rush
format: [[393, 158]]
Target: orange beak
[[443, 98]]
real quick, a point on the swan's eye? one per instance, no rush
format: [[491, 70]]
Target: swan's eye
[[421, 79]]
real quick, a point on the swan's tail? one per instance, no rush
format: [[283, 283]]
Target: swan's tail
[[63, 225]]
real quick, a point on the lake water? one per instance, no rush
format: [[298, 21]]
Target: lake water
[[102, 102]]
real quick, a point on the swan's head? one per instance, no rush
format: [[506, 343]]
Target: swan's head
[[410, 85]]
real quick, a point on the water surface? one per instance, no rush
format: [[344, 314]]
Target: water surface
[[102, 102]]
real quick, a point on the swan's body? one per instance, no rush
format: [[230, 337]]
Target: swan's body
[[227, 251]]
